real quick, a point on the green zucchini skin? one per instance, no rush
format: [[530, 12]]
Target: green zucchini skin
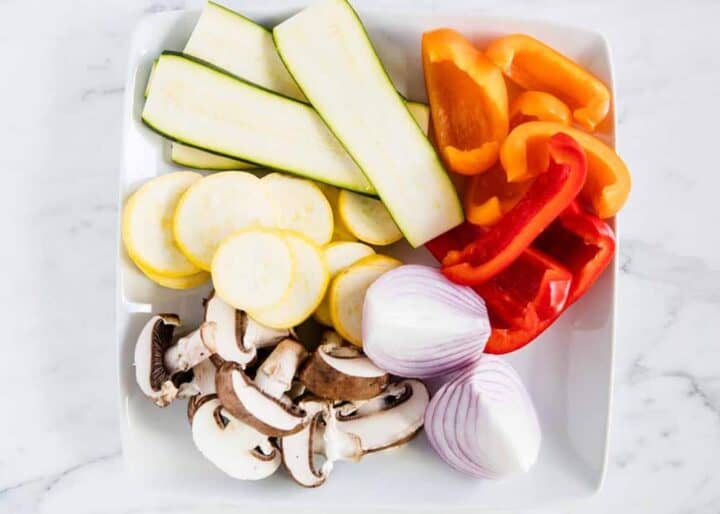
[[328, 40], [314, 154]]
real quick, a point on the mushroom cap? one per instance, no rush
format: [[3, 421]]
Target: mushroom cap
[[340, 371], [238, 336], [390, 419], [245, 401], [233, 446], [150, 373], [299, 450]]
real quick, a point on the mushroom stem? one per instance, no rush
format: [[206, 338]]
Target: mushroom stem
[[191, 350], [275, 375]]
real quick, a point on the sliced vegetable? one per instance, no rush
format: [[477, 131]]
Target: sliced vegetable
[[244, 48], [416, 323], [489, 196], [339, 256], [367, 219], [483, 422], [534, 65], [187, 282], [147, 225], [539, 106], [300, 207], [468, 101], [340, 231], [253, 269], [421, 113], [194, 103], [581, 242], [214, 208], [326, 49], [306, 290], [546, 198], [347, 294], [200, 159], [608, 179]]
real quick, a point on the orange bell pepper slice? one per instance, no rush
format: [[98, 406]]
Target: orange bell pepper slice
[[468, 101], [534, 65], [524, 155], [489, 196], [539, 106]]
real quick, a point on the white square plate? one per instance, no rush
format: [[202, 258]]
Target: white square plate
[[568, 370]]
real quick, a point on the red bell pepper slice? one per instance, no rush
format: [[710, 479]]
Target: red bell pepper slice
[[547, 197], [532, 289], [528, 296], [583, 243]]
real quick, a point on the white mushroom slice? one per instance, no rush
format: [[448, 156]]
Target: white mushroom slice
[[150, 373], [191, 349], [244, 400], [203, 381], [237, 336], [341, 372], [390, 419], [233, 446], [275, 375], [299, 450]]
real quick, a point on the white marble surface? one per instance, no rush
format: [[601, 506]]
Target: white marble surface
[[60, 100]]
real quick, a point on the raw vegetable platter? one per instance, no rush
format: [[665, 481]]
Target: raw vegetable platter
[[566, 370]]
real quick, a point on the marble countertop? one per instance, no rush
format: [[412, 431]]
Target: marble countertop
[[64, 64]]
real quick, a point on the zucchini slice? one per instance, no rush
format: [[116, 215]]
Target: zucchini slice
[[188, 282], [339, 256], [306, 290], [367, 219], [299, 206], [327, 51], [244, 48], [421, 114], [216, 207], [253, 269], [147, 225], [200, 159], [195, 103], [347, 294]]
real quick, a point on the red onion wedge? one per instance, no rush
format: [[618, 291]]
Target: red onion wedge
[[482, 422], [416, 323]]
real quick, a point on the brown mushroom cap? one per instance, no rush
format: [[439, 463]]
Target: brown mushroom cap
[[245, 401], [342, 372]]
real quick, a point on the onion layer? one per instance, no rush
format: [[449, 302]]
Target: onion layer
[[482, 422], [416, 323]]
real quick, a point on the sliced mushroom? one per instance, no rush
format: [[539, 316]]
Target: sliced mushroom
[[341, 372], [388, 420], [299, 450], [275, 375], [244, 400], [192, 349], [238, 336], [202, 383], [233, 446], [150, 372]]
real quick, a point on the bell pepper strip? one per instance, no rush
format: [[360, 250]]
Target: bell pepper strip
[[523, 155], [538, 106], [535, 66], [531, 290], [583, 243], [489, 196], [468, 101], [548, 195], [523, 300]]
